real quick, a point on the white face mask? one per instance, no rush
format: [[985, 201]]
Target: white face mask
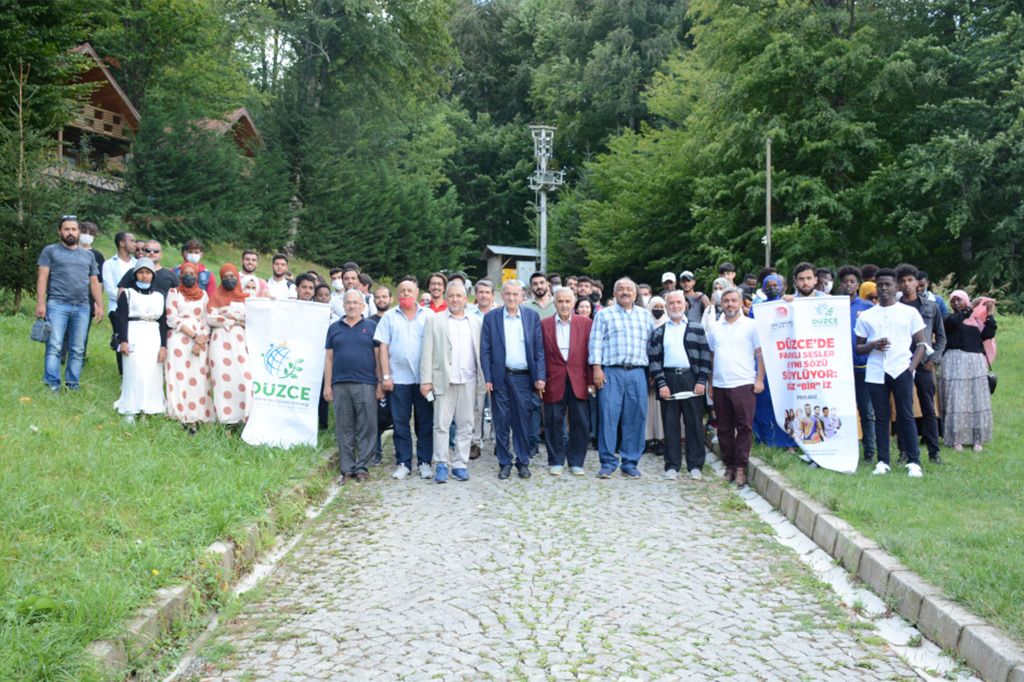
[[337, 284], [193, 257], [85, 239], [828, 287]]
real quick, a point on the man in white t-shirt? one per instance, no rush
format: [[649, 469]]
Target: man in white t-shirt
[[278, 286], [736, 381], [886, 333]]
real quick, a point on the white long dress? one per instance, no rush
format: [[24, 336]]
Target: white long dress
[[142, 384]]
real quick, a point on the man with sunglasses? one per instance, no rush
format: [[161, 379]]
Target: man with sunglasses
[[164, 279], [67, 277]]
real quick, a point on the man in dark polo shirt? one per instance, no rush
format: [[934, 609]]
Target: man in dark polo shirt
[[352, 380], [67, 277]]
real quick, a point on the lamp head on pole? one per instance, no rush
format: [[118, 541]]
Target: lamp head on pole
[[543, 144]]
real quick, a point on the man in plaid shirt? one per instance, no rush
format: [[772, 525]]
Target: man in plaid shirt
[[618, 354]]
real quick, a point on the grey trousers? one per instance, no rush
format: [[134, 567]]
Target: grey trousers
[[355, 425]]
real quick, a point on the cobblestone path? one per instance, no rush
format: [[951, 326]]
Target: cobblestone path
[[547, 578]]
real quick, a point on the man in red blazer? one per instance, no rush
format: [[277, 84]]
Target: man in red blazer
[[570, 381]]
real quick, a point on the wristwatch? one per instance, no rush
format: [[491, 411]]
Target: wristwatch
[[386, 377]]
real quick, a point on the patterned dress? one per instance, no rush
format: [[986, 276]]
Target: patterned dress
[[188, 383], [230, 378]]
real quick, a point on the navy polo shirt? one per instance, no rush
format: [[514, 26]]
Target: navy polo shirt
[[353, 352]]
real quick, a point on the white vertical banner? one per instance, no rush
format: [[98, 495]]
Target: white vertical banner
[[808, 360], [286, 357]]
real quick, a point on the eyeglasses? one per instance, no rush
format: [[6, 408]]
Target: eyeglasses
[[68, 217], [150, 250]]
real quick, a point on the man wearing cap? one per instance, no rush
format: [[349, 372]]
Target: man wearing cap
[[668, 283], [696, 302]]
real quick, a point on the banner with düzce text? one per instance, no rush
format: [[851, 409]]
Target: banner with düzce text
[[808, 360], [286, 355]]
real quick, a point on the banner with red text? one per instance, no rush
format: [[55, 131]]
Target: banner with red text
[[808, 360]]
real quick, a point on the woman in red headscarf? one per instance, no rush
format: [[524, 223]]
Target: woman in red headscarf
[[188, 384], [228, 359], [966, 401]]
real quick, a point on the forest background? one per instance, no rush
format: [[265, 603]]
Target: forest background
[[395, 131]]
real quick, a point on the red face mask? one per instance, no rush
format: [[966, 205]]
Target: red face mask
[[406, 302]]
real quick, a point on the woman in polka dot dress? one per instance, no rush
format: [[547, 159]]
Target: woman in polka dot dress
[[228, 362], [188, 383]]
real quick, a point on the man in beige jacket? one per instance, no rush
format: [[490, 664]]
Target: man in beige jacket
[[449, 367]]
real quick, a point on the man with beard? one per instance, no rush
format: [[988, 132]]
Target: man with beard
[[67, 277], [696, 301], [737, 379], [250, 261], [542, 302]]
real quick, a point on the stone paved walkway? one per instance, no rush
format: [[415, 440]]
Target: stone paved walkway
[[549, 578]]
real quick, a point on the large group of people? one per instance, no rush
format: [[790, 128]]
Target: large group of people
[[671, 372]]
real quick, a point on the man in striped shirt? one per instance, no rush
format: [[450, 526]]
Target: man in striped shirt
[[618, 354]]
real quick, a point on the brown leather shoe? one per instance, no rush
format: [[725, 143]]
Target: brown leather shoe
[[474, 451], [741, 477], [730, 474]]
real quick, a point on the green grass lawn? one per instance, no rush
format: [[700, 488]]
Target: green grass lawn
[[961, 526], [96, 515]]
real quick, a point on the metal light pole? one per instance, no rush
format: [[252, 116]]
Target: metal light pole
[[768, 205], [544, 181]]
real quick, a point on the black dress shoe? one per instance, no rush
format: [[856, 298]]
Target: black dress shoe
[[524, 470], [935, 459], [474, 451], [504, 471]]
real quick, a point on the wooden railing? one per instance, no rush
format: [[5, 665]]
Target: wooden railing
[[101, 122]]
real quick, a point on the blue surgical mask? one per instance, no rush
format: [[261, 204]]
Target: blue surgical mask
[[143, 286]]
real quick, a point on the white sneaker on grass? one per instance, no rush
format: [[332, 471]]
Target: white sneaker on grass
[[696, 475], [880, 469], [426, 471], [670, 475], [556, 469], [914, 471], [401, 471]]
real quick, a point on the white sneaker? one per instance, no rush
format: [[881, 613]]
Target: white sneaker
[[914, 471], [400, 472], [426, 471], [696, 475], [556, 470], [670, 475], [880, 469]]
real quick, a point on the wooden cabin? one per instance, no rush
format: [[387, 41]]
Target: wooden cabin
[[94, 147], [240, 125]]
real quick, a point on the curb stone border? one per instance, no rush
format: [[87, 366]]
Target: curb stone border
[[995, 656], [226, 560]]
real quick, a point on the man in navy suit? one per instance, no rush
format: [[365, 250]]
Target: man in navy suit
[[512, 356]]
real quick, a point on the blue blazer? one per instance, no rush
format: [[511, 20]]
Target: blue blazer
[[492, 345]]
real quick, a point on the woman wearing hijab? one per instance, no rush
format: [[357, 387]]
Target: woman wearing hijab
[[655, 440], [868, 292], [970, 349], [228, 359], [714, 311], [766, 429], [142, 329], [188, 384]]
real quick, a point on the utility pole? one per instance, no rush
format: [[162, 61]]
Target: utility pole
[[544, 181], [768, 204]]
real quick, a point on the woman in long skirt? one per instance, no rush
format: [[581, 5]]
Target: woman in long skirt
[[188, 383], [228, 360], [966, 401], [142, 328]]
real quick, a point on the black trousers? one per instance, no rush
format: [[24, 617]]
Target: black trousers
[[559, 447], [924, 382], [117, 353], [692, 411]]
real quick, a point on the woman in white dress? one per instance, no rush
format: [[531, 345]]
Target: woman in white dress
[[142, 329], [228, 361], [188, 383]]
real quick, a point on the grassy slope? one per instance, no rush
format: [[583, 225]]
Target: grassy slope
[[962, 525], [95, 515]]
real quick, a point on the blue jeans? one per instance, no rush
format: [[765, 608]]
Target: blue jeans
[[902, 389], [71, 319], [867, 413], [404, 399], [623, 399]]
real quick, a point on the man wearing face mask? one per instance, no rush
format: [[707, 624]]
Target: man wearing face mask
[[250, 261], [400, 335], [66, 278], [192, 252], [825, 280]]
